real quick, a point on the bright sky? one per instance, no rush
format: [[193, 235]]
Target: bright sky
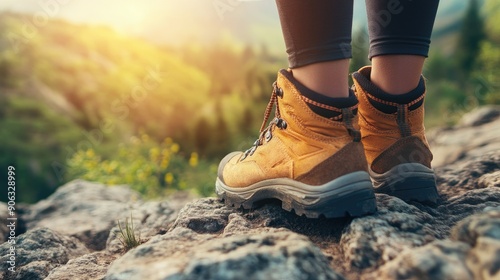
[[148, 18], [122, 14]]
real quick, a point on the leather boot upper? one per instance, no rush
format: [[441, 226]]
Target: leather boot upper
[[391, 139], [298, 144]]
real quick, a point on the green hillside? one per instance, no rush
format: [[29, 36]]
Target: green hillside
[[70, 87]]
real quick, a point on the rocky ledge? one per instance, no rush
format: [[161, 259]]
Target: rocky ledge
[[74, 235]]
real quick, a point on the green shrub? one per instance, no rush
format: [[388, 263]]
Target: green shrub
[[153, 169]]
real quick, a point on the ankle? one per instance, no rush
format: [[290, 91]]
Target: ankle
[[327, 78], [397, 74]]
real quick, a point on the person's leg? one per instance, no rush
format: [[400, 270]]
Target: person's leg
[[310, 156], [400, 32], [317, 35], [391, 94]]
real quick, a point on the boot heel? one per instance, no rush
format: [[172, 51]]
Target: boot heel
[[409, 182]]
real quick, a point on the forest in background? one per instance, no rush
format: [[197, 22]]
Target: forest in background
[[82, 101]]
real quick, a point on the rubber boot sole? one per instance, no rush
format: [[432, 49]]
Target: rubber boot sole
[[349, 195], [408, 181]]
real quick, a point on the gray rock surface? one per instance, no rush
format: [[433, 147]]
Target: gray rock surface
[[441, 259], [489, 180], [477, 133], [90, 266], [472, 253], [4, 231], [480, 116], [397, 226], [38, 252], [150, 218], [457, 238], [469, 174], [84, 210], [183, 254]]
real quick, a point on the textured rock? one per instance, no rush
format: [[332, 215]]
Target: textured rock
[[484, 259], [159, 257], [353, 247], [277, 255], [490, 180], [469, 174], [481, 225], [205, 217], [478, 133], [89, 266], [84, 210], [4, 231], [474, 254], [480, 116], [150, 218], [281, 255], [439, 260], [370, 241], [38, 252], [20, 227], [482, 232]]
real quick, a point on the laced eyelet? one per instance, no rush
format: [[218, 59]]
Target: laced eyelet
[[281, 123], [268, 136], [279, 92]]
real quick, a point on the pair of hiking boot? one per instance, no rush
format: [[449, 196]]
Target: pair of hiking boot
[[332, 166]]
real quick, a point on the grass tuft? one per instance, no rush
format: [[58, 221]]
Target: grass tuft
[[128, 238]]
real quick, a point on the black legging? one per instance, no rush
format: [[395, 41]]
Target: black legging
[[320, 30]]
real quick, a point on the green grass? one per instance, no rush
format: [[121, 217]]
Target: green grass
[[128, 237]]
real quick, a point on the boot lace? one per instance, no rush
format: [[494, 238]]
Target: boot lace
[[266, 132]]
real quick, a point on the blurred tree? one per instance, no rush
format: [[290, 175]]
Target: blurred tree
[[440, 67], [246, 125], [222, 137], [359, 50], [469, 40], [492, 10], [202, 135], [34, 139], [488, 70]]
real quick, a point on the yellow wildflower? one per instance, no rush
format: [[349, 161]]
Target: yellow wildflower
[[164, 163], [168, 141], [174, 148], [169, 178], [193, 160], [154, 153], [90, 153]]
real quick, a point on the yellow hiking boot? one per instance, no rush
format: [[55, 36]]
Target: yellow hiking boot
[[312, 164], [396, 149]]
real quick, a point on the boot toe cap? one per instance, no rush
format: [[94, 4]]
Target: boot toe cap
[[223, 162]]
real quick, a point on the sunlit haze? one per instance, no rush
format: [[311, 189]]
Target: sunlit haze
[[167, 21]]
